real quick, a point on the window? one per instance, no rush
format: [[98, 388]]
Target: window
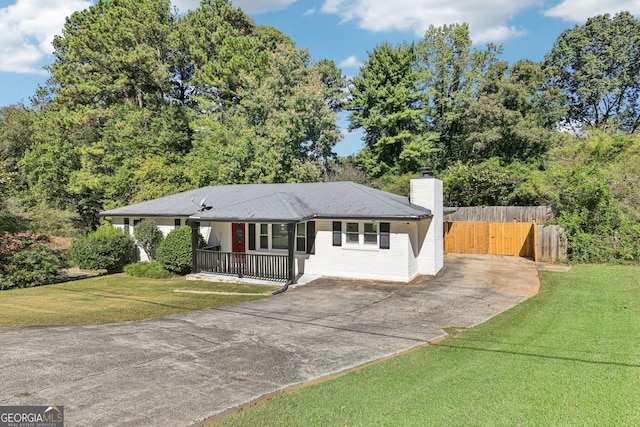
[[279, 238], [363, 233], [177, 222], [126, 226], [276, 236], [264, 236], [352, 233], [370, 234], [301, 241]]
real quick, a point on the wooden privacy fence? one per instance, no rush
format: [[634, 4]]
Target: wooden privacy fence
[[505, 238], [552, 243], [539, 214]]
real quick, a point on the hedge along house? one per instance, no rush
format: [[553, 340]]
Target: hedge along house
[[282, 231]]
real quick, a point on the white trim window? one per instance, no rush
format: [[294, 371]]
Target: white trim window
[[264, 236], [366, 234], [361, 233], [301, 237], [279, 237], [274, 236], [370, 233], [352, 233]]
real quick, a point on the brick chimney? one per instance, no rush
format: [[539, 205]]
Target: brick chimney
[[426, 191]]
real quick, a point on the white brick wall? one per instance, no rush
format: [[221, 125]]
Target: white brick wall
[[410, 252], [427, 192], [361, 261]]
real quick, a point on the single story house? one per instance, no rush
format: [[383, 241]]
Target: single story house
[[282, 231]]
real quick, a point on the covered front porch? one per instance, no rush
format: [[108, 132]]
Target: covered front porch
[[255, 266], [242, 264]]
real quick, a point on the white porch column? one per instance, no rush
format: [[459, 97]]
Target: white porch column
[[427, 192]]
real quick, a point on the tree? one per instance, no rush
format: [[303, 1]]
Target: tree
[[115, 51], [450, 75], [335, 84], [484, 184], [595, 67], [386, 104], [216, 46], [143, 102], [281, 129], [505, 119], [16, 128], [47, 167]]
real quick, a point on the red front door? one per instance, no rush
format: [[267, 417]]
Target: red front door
[[237, 236]]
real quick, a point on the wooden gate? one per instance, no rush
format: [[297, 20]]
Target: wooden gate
[[494, 238]]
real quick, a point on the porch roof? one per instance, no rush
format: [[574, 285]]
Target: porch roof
[[279, 203]]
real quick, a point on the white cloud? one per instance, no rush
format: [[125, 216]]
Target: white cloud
[[261, 6], [28, 27], [350, 62], [578, 11], [309, 12], [487, 19]]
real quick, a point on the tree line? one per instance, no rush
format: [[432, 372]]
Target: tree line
[[142, 102]]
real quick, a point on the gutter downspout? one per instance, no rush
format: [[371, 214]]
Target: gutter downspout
[[282, 289]]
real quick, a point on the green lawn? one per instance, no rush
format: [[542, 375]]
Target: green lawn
[[114, 298], [568, 357]]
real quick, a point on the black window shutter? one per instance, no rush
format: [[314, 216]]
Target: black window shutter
[[311, 237], [252, 237], [337, 233], [385, 239]]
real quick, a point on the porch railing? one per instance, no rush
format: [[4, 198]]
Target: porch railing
[[272, 267]]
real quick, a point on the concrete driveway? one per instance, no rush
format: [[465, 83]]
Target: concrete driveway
[[181, 370]]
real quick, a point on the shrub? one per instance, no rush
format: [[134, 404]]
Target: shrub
[[148, 236], [106, 248], [33, 267], [152, 270], [5, 284], [12, 243], [174, 253]]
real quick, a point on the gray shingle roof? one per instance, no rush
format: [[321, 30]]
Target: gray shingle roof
[[279, 203]]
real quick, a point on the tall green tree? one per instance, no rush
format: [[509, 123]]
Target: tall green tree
[[505, 120], [115, 51], [451, 72], [281, 130], [16, 129], [596, 66], [386, 103], [217, 45]]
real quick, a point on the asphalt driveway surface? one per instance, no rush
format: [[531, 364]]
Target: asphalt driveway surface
[[180, 370]]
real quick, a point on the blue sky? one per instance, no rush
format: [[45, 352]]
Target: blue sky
[[341, 30]]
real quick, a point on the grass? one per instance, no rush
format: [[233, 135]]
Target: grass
[[568, 357], [114, 298]]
